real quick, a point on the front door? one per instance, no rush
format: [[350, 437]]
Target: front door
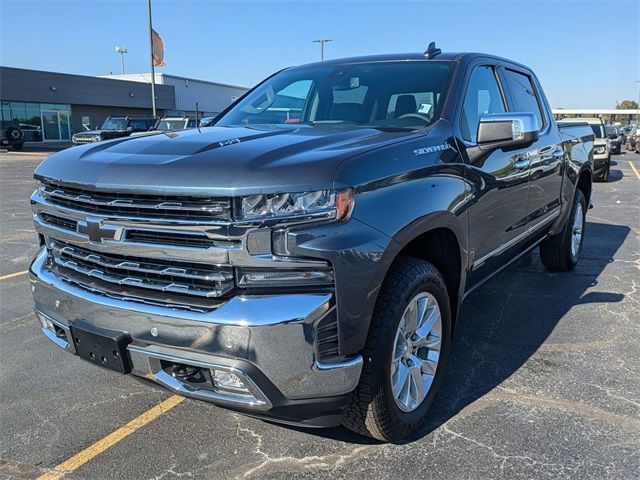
[[499, 181]]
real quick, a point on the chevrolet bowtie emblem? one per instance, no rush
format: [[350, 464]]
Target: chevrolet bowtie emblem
[[97, 232]]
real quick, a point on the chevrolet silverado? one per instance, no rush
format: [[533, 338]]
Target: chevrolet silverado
[[311, 270]]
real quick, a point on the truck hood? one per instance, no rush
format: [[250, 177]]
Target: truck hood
[[224, 161]]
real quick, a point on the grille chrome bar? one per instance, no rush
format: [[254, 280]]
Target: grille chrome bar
[[187, 279], [192, 208]]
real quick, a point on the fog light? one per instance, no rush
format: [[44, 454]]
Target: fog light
[[284, 278], [46, 323], [228, 381]]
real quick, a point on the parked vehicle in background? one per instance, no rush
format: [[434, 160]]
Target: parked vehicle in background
[[601, 152], [631, 141], [116, 127], [615, 140], [207, 121], [11, 135], [169, 124], [311, 272]]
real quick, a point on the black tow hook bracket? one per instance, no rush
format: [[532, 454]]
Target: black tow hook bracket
[[184, 372]]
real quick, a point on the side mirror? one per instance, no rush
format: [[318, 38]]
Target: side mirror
[[507, 130], [129, 129]]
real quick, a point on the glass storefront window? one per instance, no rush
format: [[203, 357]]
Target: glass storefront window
[[30, 116]]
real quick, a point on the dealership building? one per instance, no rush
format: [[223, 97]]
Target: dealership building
[[51, 106]]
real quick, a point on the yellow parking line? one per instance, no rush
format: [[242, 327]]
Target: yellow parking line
[[634, 170], [110, 440], [11, 275]]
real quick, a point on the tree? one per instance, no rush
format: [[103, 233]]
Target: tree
[[627, 105]]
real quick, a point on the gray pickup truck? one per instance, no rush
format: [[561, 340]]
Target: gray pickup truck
[[310, 271]]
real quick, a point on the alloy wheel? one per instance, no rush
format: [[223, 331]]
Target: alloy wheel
[[416, 351]]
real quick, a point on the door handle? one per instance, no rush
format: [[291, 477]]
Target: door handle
[[558, 154], [521, 163]]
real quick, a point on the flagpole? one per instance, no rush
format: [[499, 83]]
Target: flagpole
[[153, 71]]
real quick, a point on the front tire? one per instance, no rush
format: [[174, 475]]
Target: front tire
[[405, 355], [561, 252], [604, 178]]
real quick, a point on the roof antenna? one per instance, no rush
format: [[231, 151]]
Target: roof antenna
[[432, 51]]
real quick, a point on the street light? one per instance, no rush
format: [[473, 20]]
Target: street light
[[322, 41], [122, 51]]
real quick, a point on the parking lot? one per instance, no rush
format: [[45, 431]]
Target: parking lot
[[544, 379]]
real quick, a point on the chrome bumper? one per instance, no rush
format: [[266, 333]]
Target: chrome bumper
[[272, 335]]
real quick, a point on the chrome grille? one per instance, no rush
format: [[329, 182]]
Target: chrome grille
[[186, 280], [180, 239], [80, 139], [134, 205], [61, 222]]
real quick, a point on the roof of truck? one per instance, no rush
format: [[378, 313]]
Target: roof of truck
[[415, 56]]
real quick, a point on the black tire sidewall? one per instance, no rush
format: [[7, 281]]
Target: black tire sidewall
[[416, 283]]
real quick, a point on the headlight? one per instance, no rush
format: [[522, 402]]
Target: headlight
[[600, 149], [336, 205]]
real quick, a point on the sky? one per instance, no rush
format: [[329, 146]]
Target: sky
[[585, 53]]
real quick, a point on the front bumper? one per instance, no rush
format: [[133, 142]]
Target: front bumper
[[601, 162], [267, 340]]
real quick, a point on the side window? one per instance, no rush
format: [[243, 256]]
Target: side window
[[483, 96], [523, 94]]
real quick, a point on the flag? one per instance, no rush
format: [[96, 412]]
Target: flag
[[158, 49]]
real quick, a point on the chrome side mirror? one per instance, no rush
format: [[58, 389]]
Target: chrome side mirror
[[507, 130]]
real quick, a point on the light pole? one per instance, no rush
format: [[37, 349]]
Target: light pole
[[322, 41], [122, 51]]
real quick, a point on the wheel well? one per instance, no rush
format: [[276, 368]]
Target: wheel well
[[440, 248], [584, 184]]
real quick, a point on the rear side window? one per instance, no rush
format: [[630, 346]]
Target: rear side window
[[483, 96], [523, 94]]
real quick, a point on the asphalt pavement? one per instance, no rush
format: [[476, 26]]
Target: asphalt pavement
[[544, 380]]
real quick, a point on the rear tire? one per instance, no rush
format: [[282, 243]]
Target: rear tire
[[561, 252], [376, 408]]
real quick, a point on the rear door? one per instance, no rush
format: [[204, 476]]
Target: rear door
[[545, 156], [498, 179]]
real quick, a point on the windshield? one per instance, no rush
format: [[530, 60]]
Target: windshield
[[168, 125], [598, 130], [403, 95], [114, 124]]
